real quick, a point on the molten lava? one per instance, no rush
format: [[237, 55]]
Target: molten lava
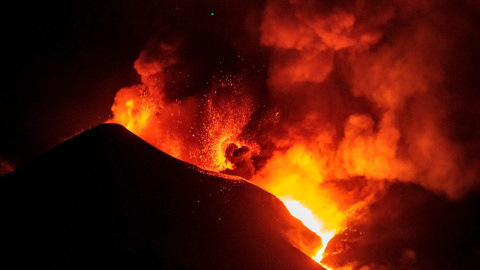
[[312, 222], [293, 176]]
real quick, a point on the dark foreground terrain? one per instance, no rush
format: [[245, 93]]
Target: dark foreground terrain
[[106, 198]]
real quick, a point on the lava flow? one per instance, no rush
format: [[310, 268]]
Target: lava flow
[[323, 105], [310, 221]]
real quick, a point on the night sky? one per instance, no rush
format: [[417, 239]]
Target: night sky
[[64, 61], [62, 65]]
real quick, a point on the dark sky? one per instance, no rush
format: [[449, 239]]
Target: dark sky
[[62, 65], [64, 61]]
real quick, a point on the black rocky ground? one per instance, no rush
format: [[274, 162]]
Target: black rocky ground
[[106, 198]]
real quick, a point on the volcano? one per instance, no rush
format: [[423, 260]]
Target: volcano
[[106, 198]]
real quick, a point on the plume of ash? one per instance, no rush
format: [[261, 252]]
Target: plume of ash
[[390, 76], [381, 90]]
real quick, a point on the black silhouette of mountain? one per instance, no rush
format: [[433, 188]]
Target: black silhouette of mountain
[[106, 198]]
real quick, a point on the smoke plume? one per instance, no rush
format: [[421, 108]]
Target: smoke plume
[[396, 59], [324, 102]]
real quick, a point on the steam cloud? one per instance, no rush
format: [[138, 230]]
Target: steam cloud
[[366, 91]]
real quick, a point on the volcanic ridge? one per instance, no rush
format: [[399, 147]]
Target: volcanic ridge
[[106, 198]]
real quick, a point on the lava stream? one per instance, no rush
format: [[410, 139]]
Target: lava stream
[[310, 221]]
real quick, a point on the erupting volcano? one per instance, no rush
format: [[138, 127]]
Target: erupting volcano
[[362, 117], [323, 104]]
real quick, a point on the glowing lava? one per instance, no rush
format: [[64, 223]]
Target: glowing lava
[[310, 221], [133, 109], [210, 137]]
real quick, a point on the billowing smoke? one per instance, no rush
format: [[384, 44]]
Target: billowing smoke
[[398, 62], [324, 102]]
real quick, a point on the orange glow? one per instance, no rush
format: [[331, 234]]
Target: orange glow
[[132, 109], [295, 177], [222, 121], [310, 221]]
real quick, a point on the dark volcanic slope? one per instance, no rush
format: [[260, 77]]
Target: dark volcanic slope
[[108, 199]]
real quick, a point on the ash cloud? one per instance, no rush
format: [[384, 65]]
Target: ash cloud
[[391, 71], [392, 83]]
